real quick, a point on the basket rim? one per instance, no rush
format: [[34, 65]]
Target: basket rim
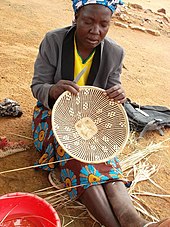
[[74, 156]]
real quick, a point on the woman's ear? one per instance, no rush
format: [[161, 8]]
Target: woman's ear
[[75, 19], [75, 16]]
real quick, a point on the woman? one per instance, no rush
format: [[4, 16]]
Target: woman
[[62, 55]]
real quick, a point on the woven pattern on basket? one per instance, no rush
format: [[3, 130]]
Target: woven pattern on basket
[[89, 126]]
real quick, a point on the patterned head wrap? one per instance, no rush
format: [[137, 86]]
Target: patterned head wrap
[[111, 4]]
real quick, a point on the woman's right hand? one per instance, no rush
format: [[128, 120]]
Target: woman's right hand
[[63, 85]]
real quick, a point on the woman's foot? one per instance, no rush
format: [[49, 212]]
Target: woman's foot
[[53, 178], [163, 223]]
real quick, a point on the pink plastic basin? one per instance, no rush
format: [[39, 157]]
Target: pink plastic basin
[[26, 210]]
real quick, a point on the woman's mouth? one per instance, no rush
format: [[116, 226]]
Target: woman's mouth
[[92, 41]]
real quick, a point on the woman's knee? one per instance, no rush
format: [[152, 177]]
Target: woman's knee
[[91, 193], [95, 200], [114, 188]]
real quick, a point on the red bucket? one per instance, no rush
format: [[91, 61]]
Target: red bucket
[[26, 210]]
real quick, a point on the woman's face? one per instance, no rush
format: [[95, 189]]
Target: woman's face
[[92, 24]]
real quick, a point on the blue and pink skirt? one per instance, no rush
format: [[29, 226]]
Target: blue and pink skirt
[[76, 176]]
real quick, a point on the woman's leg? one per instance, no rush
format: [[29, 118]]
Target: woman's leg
[[165, 223], [95, 200], [122, 205]]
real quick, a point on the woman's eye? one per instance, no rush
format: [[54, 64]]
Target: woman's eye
[[87, 22], [104, 25]]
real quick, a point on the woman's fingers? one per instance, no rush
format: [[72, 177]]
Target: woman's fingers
[[71, 86], [116, 93], [63, 85]]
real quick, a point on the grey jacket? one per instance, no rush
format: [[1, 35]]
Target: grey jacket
[[55, 61]]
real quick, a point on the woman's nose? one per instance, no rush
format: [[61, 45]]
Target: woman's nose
[[95, 29]]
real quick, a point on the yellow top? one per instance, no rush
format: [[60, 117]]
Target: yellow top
[[81, 64]]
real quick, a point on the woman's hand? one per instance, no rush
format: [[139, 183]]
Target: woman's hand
[[116, 93], [63, 85]]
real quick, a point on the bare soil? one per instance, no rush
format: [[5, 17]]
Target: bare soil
[[145, 78]]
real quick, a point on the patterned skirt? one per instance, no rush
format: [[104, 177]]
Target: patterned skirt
[[76, 176]]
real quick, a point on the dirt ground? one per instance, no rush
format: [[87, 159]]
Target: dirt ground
[[145, 77]]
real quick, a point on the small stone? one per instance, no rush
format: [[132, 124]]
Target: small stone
[[153, 32], [135, 6], [120, 24], [148, 11], [162, 10], [138, 28], [159, 21], [166, 18], [147, 19], [124, 17]]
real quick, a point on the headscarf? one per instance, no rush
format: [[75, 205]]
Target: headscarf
[[111, 4]]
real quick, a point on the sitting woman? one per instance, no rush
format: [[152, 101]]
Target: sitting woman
[[63, 53]]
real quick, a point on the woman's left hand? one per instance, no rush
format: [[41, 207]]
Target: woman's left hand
[[116, 93]]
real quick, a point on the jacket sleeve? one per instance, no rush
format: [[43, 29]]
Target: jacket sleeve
[[111, 62], [114, 76], [44, 69], [116, 56]]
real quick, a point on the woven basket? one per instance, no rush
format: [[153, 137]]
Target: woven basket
[[90, 127]]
